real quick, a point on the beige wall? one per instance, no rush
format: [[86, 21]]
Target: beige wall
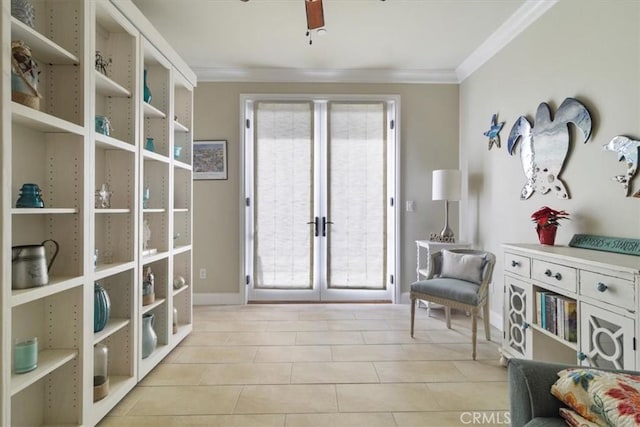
[[429, 140], [592, 54]]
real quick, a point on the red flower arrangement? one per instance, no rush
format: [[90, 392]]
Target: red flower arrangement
[[547, 217], [547, 220]]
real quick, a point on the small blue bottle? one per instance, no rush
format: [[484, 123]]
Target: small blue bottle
[[30, 197], [149, 146], [146, 92]]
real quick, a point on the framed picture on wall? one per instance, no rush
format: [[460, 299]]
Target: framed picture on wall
[[210, 159]]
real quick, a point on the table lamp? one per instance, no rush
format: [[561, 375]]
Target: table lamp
[[446, 186]]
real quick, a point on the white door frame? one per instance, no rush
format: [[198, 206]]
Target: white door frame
[[247, 102]]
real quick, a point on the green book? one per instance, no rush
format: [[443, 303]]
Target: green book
[[570, 321]]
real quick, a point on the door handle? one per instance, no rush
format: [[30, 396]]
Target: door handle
[[315, 226], [324, 226]]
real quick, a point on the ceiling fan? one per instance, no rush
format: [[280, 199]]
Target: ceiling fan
[[315, 17]]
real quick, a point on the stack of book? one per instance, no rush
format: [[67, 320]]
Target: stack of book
[[557, 314]]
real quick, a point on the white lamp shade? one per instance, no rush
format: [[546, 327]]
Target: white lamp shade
[[446, 184]]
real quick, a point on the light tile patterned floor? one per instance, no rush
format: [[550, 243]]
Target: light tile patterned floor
[[334, 365]]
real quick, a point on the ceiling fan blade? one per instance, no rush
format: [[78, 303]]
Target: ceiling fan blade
[[315, 14]]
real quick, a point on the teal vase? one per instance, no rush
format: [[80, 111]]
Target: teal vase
[[101, 307], [146, 94], [149, 337], [30, 197]]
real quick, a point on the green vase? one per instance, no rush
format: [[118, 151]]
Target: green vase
[[146, 94]]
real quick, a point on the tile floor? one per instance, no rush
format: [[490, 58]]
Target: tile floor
[[295, 365]]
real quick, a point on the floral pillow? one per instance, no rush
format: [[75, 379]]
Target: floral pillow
[[573, 419], [604, 398]]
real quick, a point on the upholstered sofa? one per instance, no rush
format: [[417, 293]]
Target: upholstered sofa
[[531, 401]]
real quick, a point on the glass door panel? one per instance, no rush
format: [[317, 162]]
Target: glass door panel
[[356, 196], [283, 195]]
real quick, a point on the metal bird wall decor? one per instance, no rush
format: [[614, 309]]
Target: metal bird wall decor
[[545, 146], [494, 132], [627, 149]]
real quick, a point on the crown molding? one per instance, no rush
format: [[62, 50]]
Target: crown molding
[[277, 75], [526, 15]]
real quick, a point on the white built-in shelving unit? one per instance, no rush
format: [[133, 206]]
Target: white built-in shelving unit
[[58, 148]]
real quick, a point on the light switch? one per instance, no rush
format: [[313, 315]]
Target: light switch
[[411, 206]]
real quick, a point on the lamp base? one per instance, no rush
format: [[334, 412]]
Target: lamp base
[[446, 235]]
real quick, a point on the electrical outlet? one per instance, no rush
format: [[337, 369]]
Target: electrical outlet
[[203, 273]]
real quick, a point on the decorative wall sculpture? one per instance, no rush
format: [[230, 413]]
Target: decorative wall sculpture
[[544, 147], [494, 132], [627, 150]]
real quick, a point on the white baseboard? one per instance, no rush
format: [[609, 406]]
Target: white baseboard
[[218, 299], [404, 298], [495, 319]]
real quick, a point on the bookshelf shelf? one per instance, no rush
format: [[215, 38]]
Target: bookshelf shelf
[[540, 329]]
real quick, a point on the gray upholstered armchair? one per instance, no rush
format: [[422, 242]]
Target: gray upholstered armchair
[[458, 278], [531, 403]]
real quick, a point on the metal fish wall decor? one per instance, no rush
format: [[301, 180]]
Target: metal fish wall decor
[[545, 145], [627, 149]]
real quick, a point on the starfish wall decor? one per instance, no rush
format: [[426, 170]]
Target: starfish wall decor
[[494, 132]]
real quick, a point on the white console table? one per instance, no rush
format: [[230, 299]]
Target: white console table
[[605, 288]]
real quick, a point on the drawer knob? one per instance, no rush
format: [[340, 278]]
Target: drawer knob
[[602, 287], [548, 273], [581, 356], [514, 263]]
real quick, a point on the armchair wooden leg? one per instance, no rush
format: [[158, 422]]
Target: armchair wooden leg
[[413, 314], [485, 317], [447, 315], [474, 331]]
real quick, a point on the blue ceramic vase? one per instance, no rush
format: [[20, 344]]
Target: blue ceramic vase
[[101, 307], [149, 337]]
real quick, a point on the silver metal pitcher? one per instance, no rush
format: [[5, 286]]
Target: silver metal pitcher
[[29, 266]]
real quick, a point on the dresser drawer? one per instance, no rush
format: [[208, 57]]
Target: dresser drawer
[[518, 264], [609, 289], [555, 275]]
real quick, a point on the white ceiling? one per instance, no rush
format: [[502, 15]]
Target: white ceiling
[[366, 40]]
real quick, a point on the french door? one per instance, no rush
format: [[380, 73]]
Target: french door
[[320, 186]]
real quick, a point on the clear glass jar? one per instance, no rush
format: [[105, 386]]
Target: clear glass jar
[[100, 373]]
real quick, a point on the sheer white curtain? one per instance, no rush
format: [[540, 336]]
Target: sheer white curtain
[[357, 196], [283, 194]]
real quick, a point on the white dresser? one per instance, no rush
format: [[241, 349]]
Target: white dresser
[[604, 288]]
